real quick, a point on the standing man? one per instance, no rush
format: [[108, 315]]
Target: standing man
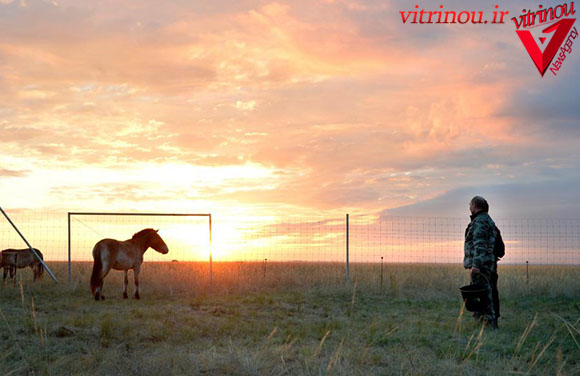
[[479, 257]]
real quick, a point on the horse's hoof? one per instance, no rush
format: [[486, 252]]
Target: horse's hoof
[[137, 296], [97, 297], [102, 297], [125, 296]]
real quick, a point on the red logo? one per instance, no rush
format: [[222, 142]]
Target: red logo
[[555, 34]]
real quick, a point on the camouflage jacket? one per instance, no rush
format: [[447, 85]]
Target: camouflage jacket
[[479, 242]]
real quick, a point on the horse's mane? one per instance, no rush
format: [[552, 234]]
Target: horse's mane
[[143, 233]]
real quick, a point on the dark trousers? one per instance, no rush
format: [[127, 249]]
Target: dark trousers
[[495, 294], [484, 278]]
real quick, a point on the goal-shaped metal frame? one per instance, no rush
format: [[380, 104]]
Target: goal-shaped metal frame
[[70, 214]]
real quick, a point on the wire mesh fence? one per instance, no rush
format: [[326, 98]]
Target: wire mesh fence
[[440, 240], [313, 240], [290, 239], [398, 240], [46, 231]]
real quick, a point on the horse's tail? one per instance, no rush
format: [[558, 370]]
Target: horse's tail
[[40, 271], [39, 266], [97, 267]]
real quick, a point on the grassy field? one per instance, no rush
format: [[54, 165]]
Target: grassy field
[[289, 319]]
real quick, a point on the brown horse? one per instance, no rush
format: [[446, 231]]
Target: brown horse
[[12, 259], [123, 255]]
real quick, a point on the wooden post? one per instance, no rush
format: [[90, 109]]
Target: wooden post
[[265, 263], [210, 254], [69, 252], [527, 273], [381, 272]]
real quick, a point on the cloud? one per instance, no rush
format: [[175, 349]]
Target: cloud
[[546, 109], [346, 106], [246, 106], [13, 173], [542, 199]]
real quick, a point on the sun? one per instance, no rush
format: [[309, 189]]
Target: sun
[[227, 240], [191, 242]]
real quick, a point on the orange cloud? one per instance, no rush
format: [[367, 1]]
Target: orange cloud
[[340, 104]]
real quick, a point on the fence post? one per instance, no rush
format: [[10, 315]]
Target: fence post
[[265, 265], [381, 272], [347, 249], [69, 254], [210, 254], [527, 273]]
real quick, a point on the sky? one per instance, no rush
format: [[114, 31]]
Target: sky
[[268, 109]]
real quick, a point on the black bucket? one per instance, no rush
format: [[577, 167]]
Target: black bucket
[[475, 297]]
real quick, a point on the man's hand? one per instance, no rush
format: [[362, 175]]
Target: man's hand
[[474, 271]]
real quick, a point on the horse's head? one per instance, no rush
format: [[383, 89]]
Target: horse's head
[[157, 243], [153, 240]]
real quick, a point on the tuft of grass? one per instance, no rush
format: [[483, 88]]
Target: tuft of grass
[[106, 330], [535, 358], [573, 330], [525, 335], [473, 346], [319, 348]]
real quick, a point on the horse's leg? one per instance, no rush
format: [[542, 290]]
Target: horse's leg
[[5, 275], [99, 290], [106, 269], [136, 276], [126, 282], [102, 283], [36, 272], [13, 269]]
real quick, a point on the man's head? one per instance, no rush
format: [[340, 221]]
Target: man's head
[[478, 204]]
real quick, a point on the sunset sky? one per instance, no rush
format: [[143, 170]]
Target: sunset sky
[[269, 109]]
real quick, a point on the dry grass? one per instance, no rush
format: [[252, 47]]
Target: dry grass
[[293, 319]]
